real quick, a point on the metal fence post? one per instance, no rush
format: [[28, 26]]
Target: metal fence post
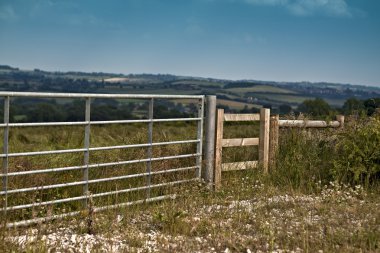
[[200, 137], [208, 173], [5, 152], [87, 147], [150, 141]]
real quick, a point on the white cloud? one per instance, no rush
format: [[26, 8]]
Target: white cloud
[[7, 13], [337, 8]]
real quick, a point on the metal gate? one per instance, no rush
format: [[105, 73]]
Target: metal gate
[[12, 173]]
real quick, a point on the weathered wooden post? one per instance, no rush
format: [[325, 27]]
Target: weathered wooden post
[[208, 172], [264, 138], [218, 149], [273, 143], [340, 119]]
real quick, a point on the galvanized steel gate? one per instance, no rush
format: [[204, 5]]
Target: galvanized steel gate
[[6, 192]]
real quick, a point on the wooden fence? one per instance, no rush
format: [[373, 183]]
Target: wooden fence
[[262, 142], [276, 123], [267, 141]]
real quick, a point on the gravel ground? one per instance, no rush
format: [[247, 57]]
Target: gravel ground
[[338, 219]]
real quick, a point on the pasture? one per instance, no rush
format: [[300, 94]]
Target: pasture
[[299, 206]]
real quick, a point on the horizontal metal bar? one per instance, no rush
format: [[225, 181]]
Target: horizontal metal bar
[[92, 95], [143, 160], [49, 152], [31, 172], [103, 194], [39, 220], [52, 152], [171, 196], [60, 216], [242, 117], [54, 186], [240, 142], [82, 123], [142, 121], [144, 145], [38, 124], [308, 123], [46, 187]]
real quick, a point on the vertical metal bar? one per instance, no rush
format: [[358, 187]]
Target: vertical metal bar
[[5, 151], [208, 172], [149, 151], [200, 136], [87, 133]]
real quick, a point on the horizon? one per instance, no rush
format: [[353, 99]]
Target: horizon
[[195, 77], [332, 41]]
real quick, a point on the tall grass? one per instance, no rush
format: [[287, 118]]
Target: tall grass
[[309, 157]]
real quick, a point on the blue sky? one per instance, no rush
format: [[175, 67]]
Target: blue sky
[[280, 40]]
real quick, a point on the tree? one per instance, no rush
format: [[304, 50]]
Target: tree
[[371, 105], [285, 109], [316, 107], [353, 106]]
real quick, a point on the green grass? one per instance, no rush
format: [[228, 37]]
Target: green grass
[[296, 207], [262, 89]]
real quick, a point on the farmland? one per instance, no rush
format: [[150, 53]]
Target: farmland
[[301, 206], [250, 92], [310, 201]]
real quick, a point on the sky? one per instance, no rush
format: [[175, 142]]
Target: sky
[[273, 40]]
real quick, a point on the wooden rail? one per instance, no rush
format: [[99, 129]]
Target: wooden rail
[[276, 123], [220, 143]]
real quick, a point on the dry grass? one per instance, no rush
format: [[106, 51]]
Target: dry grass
[[249, 215], [293, 209]]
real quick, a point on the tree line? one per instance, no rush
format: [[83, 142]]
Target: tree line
[[318, 107]]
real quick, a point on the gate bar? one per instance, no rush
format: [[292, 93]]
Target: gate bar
[[92, 95], [200, 136], [149, 151], [5, 151]]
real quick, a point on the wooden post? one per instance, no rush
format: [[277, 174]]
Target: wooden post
[[340, 119], [264, 138], [273, 144], [218, 149]]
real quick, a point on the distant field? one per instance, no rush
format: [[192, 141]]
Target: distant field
[[201, 83], [236, 105], [262, 89]]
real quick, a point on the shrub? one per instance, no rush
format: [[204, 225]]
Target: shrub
[[357, 153]]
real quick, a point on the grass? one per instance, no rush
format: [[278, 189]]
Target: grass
[[249, 214], [296, 207]]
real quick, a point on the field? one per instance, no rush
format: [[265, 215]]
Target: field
[[300, 206], [236, 105], [262, 89], [256, 93]]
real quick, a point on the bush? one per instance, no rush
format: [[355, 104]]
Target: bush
[[357, 153]]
